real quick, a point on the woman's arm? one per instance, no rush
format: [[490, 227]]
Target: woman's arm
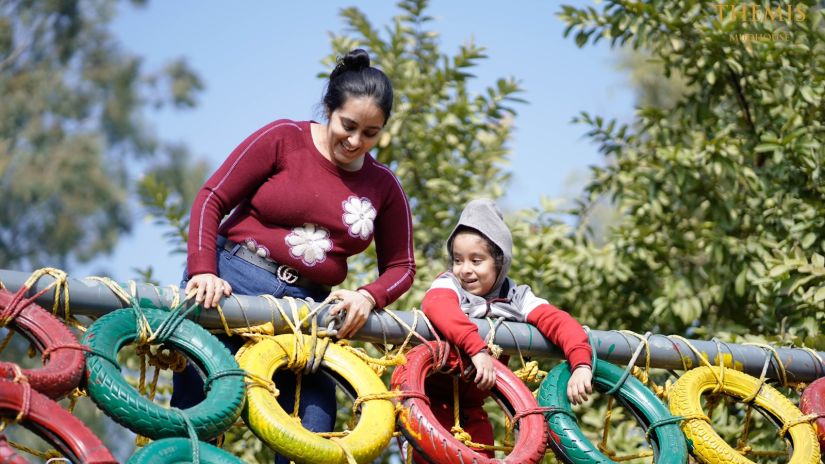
[[393, 247]]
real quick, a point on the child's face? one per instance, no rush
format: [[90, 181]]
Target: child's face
[[473, 264]]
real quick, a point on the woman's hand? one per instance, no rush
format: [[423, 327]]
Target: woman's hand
[[485, 372], [580, 385], [356, 305], [210, 289]]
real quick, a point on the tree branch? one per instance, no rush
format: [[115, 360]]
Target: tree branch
[[743, 103]]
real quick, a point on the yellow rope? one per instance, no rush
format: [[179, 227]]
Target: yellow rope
[[799, 420], [720, 379], [49, 454], [388, 395], [347, 452], [530, 372], [459, 433], [258, 381], [73, 396], [495, 350], [21, 378], [113, 286], [7, 339], [61, 286], [606, 428], [378, 365]]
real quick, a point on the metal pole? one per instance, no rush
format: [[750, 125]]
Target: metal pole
[[92, 298]]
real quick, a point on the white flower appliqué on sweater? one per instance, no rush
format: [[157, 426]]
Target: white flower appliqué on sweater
[[359, 215], [310, 243]]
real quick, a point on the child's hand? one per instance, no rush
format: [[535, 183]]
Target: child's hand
[[485, 372], [580, 385]]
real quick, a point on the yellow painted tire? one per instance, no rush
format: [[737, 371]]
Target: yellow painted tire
[[709, 447], [281, 432]]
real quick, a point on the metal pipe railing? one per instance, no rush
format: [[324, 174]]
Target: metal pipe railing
[[93, 298]]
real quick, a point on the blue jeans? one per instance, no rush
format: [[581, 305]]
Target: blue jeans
[[317, 405]]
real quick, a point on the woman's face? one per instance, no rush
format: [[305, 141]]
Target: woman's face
[[352, 131], [473, 264]]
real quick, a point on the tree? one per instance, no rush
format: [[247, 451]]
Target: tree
[[71, 129], [721, 195], [431, 97], [72, 137]]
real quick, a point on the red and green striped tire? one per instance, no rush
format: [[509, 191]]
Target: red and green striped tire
[[423, 431], [63, 370], [179, 451], [120, 401], [54, 424], [813, 402], [569, 443]]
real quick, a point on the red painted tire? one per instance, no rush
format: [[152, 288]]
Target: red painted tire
[[813, 402], [54, 424], [421, 428], [8, 455], [63, 370]]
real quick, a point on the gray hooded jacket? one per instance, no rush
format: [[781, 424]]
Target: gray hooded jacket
[[506, 299]]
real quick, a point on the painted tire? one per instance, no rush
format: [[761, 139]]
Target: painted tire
[[281, 432], [813, 402], [423, 431], [566, 438], [54, 424], [63, 370], [8, 455], [709, 447], [179, 451], [120, 401]]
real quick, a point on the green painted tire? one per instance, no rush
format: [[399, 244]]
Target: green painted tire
[[569, 443], [179, 451], [120, 401]]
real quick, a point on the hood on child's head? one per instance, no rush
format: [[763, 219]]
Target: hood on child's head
[[484, 216]]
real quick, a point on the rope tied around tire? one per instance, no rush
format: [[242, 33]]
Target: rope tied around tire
[[770, 353], [18, 303], [192, 433], [22, 415], [21, 379], [630, 364], [207, 383]]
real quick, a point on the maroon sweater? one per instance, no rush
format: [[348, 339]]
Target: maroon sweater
[[301, 210]]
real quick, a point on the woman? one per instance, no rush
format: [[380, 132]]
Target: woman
[[304, 197]]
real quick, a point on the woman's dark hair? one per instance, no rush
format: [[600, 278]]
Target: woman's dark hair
[[354, 77], [492, 248]]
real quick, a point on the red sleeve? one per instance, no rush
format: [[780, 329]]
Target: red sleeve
[[393, 247], [246, 168], [441, 307], [564, 331]]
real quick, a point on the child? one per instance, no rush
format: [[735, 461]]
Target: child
[[480, 249]]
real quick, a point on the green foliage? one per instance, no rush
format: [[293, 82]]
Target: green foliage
[[717, 190], [167, 192], [71, 129], [445, 144]]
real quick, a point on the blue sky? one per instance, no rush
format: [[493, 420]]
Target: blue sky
[[259, 60]]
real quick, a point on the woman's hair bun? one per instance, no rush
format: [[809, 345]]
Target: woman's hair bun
[[355, 60]]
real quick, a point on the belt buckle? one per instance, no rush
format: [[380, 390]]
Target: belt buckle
[[287, 274]]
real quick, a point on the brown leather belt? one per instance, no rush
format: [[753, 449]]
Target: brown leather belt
[[283, 272]]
